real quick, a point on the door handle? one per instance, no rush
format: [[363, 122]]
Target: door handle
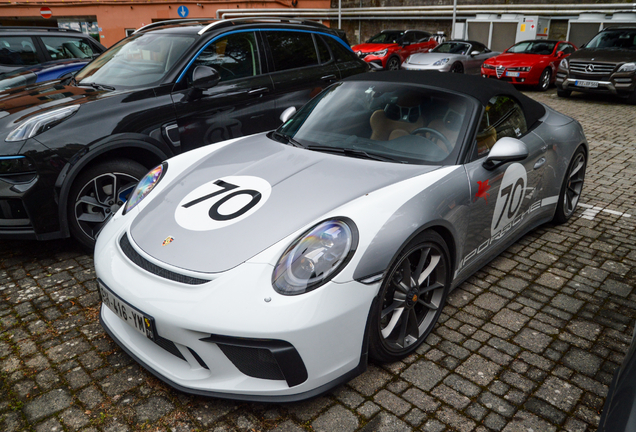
[[539, 163], [330, 77], [258, 91]]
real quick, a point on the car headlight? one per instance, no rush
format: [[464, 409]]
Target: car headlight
[[520, 69], [564, 64], [627, 67], [380, 53], [315, 257], [441, 62], [145, 186], [408, 59], [487, 66], [41, 123]]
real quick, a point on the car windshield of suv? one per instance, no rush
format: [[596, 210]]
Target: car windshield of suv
[[386, 37], [389, 122], [619, 39], [136, 61], [532, 47], [452, 48]]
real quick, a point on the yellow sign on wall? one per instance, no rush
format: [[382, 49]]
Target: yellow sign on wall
[[523, 27]]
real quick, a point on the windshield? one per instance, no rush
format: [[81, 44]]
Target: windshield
[[533, 47], [625, 39], [136, 61], [386, 37], [384, 121], [452, 48]]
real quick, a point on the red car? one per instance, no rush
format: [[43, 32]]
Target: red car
[[532, 62], [390, 48]]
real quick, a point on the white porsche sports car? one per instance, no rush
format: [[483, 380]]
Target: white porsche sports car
[[272, 267]]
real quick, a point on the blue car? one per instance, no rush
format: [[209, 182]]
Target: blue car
[[51, 70]]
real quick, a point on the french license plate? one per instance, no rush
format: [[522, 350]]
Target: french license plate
[[512, 74], [583, 83], [141, 322]]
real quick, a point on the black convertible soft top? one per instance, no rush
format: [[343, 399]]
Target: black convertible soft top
[[482, 89]]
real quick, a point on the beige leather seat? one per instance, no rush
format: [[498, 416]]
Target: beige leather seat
[[385, 129]]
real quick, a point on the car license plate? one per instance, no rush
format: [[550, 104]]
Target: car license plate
[[141, 322], [582, 83], [512, 74]]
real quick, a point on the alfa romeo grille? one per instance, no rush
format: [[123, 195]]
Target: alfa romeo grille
[[500, 71], [587, 68], [134, 256]]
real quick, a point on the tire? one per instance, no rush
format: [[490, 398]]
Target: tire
[[563, 93], [457, 67], [544, 80], [393, 64], [571, 187], [403, 315], [92, 201]]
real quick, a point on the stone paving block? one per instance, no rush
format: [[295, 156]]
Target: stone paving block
[[368, 409], [336, 418], [455, 420], [582, 361], [615, 287], [533, 340], [392, 402], [385, 422], [510, 319], [424, 374], [524, 421], [421, 400], [479, 370], [450, 396], [47, 404], [559, 393], [371, 381]]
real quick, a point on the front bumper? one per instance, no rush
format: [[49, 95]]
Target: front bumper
[[238, 309], [621, 84], [522, 78], [444, 68]]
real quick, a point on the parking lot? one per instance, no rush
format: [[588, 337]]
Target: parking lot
[[528, 343]]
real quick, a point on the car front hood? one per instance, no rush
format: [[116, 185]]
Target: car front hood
[[20, 103], [517, 60], [607, 55], [304, 186], [371, 47], [430, 58]]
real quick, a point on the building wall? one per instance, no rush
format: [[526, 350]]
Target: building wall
[[114, 17]]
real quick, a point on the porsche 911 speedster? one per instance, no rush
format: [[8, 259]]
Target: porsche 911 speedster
[[272, 267]]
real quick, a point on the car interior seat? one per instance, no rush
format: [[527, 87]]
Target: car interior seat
[[390, 122]]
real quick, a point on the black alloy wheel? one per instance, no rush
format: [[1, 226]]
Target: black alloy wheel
[[571, 187], [393, 64], [411, 299], [544, 80], [457, 67], [97, 194]]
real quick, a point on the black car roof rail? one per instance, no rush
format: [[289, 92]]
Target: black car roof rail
[[261, 19], [172, 22], [26, 28]]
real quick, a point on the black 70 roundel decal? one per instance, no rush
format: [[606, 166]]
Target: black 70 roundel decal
[[222, 202]]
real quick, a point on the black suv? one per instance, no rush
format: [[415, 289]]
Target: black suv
[[606, 64], [72, 150], [28, 46]]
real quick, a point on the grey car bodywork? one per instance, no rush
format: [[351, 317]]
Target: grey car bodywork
[[307, 185], [471, 63]]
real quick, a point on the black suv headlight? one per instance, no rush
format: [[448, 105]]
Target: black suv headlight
[[40, 123]]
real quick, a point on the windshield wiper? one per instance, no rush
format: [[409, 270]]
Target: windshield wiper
[[353, 153], [98, 86], [286, 139]]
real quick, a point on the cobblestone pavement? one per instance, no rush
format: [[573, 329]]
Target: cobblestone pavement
[[528, 343]]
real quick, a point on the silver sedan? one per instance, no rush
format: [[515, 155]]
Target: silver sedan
[[457, 56]]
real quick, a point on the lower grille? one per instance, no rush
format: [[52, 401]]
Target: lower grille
[[263, 358], [169, 346], [254, 362], [134, 256]]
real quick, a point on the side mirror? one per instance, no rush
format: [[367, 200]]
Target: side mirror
[[505, 150], [286, 115], [474, 53], [205, 77]]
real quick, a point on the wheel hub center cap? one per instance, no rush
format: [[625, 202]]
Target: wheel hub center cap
[[411, 298]]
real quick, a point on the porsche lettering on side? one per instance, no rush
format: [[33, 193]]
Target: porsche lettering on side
[[273, 267]]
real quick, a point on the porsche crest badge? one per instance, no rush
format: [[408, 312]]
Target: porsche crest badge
[[167, 241]]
